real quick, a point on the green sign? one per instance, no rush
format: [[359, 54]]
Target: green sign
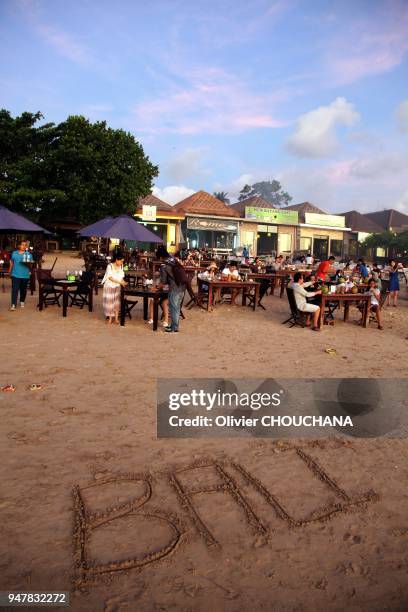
[[272, 215]]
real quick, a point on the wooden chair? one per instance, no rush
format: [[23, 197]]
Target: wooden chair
[[51, 294], [80, 296], [297, 318], [201, 297], [129, 306]]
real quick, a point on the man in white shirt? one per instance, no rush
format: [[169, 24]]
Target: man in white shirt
[[309, 259], [301, 296]]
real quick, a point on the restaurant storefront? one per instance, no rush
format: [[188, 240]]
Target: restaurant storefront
[[322, 235], [160, 219], [275, 229], [204, 232]]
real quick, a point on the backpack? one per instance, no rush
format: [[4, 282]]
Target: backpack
[[179, 274]]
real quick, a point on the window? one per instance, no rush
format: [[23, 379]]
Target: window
[[306, 244], [336, 247], [285, 243]]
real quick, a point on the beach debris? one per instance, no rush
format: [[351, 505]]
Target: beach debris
[[330, 351], [8, 388], [35, 387]]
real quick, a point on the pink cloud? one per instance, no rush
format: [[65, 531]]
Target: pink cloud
[[211, 101], [373, 47]]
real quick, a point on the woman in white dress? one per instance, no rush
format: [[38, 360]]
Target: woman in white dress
[[112, 283]]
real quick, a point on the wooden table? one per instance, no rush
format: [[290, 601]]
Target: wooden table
[[283, 275], [246, 286], [260, 276], [147, 295], [65, 285], [346, 299]]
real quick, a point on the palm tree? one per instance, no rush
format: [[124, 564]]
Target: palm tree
[[222, 196]]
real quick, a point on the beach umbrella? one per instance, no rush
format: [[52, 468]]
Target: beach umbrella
[[12, 222], [122, 227]]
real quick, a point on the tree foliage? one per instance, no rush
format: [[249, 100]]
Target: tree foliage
[[396, 245], [222, 196], [271, 191], [76, 169]]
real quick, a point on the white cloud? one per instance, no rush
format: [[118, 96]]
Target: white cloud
[[187, 165], [315, 135], [401, 116], [173, 193], [379, 167], [401, 203]]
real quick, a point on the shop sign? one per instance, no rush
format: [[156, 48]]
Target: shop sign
[[214, 225], [272, 215], [327, 220], [149, 213]]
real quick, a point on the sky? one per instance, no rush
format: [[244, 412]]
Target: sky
[[221, 93]]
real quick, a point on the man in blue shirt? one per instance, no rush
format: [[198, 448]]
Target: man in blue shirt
[[20, 271], [362, 268]]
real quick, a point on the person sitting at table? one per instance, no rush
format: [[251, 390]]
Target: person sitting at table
[[258, 265], [324, 267], [309, 259], [278, 263], [230, 273], [301, 296], [209, 274], [112, 282], [362, 268], [374, 302], [311, 283]]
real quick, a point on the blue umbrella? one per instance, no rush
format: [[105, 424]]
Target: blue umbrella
[[12, 222], [122, 227]]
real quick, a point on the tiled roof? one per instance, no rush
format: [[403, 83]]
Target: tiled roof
[[389, 218], [305, 207], [204, 203], [255, 201], [361, 223], [152, 200]]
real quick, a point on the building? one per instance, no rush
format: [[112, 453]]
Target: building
[[162, 219], [361, 227], [264, 229], [390, 220], [319, 233], [208, 222]]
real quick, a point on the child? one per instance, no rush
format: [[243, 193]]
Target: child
[[375, 301]]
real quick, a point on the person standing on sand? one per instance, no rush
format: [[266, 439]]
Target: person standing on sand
[[112, 283], [19, 271], [324, 267], [394, 285], [173, 275]]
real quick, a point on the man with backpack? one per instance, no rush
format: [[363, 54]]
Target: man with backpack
[[174, 275]]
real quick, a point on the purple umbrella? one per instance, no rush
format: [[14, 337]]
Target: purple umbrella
[[10, 221], [122, 227]]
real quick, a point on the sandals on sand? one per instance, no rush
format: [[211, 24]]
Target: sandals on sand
[[8, 388]]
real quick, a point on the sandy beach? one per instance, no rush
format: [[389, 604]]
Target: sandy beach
[[87, 443]]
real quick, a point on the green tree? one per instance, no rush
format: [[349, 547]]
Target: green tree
[[76, 169], [271, 191], [245, 192], [395, 245], [24, 148], [222, 196]]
